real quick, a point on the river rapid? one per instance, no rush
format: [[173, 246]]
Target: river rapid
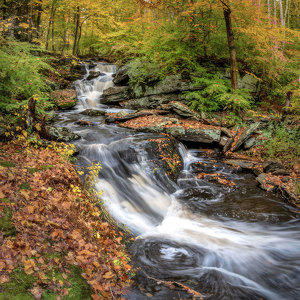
[[225, 242]]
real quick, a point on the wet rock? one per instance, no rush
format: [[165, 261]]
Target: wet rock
[[122, 77], [115, 94], [205, 136], [165, 155], [50, 116], [85, 123], [228, 145], [281, 172], [249, 143], [246, 134], [123, 116], [245, 165], [94, 74], [223, 141], [262, 180], [64, 99], [93, 112], [226, 131], [183, 110], [272, 166], [61, 134]]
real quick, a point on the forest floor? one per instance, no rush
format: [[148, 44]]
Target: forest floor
[[53, 243]]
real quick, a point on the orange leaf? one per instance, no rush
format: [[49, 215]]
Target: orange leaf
[[108, 275], [4, 279]]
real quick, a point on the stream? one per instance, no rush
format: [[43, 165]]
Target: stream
[[225, 242]]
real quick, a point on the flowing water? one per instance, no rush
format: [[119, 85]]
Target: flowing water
[[225, 242]]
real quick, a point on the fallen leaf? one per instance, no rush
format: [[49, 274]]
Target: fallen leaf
[[4, 279]]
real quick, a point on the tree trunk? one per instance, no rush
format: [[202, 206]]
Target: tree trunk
[[49, 25], [77, 18], [232, 51], [286, 109]]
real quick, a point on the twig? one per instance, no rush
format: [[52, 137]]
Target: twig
[[186, 288]]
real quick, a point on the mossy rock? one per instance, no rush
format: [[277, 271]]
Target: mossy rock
[[165, 155], [6, 225], [64, 99]]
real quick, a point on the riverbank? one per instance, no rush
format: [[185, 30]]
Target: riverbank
[[53, 241]]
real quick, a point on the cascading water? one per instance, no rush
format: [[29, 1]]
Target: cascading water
[[226, 243]]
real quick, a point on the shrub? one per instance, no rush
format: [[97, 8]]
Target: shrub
[[20, 75], [216, 95], [281, 142]]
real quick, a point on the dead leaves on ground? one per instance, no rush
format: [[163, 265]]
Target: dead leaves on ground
[[56, 227]]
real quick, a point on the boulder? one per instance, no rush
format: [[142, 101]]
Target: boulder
[[122, 77], [61, 134], [223, 141], [115, 94], [93, 74], [226, 131], [248, 82], [249, 143], [272, 166], [123, 117], [64, 99], [164, 154], [246, 135], [228, 145], [198, 135], [93, 112], [183, 110], [150, 102]]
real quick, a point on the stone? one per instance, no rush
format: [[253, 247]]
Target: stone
[[150, 102], [246, 165], [223, 141], [205, 136], [272, 166], [123, 116], [183, 110], [61, 134], [248, 82], [226, 131], [93, 112], [281, 172], [164, 154], [93, 74], [64, 99], [50, 116], [122, 77], [249, 143], [115, 94], [246, 135], [228, 145]]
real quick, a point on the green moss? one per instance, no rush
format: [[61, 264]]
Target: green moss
[[32, 170], [24, 186], [6, 225], [79, 288], [7, 164], [38, 169], [66, 105], [20, 283], [18, 286]]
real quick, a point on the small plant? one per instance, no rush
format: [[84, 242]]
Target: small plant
[[216, 95], [281, 142]]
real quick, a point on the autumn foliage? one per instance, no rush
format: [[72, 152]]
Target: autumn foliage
[[57, 227]]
